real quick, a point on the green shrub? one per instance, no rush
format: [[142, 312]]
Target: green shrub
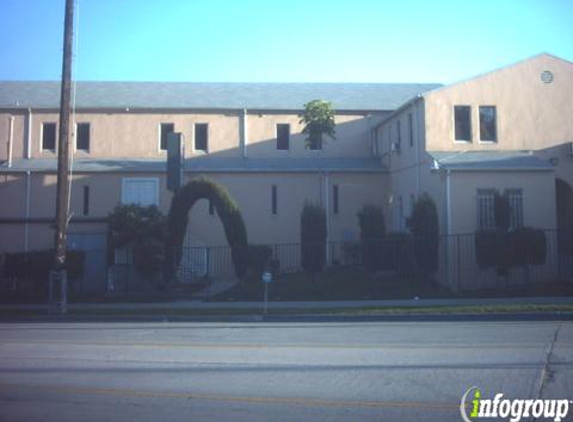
[[318, 119], [313, 237], [259, 259], [144, 229], [35, 266], [227, 210], [425, 229], [398, 252], [372, 233]]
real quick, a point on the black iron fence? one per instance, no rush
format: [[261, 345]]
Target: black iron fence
[[457, 265]]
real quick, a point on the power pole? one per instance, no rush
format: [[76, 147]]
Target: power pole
[[58, 276]]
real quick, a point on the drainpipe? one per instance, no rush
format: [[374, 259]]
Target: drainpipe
[[26, 224], [448, 224], [418, 139], [10, 140], [243, 133], [29, 135], [327, 211]]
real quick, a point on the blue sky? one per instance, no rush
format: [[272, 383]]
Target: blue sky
[[281, 41]]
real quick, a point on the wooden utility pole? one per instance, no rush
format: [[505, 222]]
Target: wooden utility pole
[[58, 276]]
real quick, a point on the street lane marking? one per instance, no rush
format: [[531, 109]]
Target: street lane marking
[[125, 392]]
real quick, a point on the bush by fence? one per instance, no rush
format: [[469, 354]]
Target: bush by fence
[[32, 269]]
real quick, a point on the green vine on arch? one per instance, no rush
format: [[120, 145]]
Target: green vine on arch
[[227, 210]]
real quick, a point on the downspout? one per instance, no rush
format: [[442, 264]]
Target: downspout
[[327, 212], [244, 133], [10, 141], [448, 224], [29, 135], [26, 224], [418, 139]]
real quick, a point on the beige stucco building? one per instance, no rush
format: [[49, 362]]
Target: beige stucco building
[[510, 129]]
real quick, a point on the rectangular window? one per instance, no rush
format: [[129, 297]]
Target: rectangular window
[[487, 124], [274, 200], [485, 214], [86, 208], [165, 129], [515, 208], [411, 129], [400, 214], [140, 190], [335, 199], [316, 145], [201, 136], [463, 123], [49, 136], [83, 136], [283, 136], [399, 134]]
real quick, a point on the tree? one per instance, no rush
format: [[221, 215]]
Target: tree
[[227, 210], [318, 119], [313, 238], [425, 229], [143, 229], [372, 233]]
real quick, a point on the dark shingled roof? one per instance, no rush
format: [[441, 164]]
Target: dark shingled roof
[[190, 95], [202, 165], [490, 160]]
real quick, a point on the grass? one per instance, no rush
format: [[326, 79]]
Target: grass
[[355, 284], [118, 314]]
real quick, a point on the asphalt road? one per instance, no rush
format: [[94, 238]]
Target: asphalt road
[[395, 371]]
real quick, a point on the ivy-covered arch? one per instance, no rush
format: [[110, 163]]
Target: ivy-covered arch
[[227, 210]]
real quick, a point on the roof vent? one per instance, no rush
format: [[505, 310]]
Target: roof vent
[[547, 77]]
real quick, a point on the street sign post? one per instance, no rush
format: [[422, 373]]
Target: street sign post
[[266, 279]]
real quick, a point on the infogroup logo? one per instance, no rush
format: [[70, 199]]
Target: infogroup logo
[[512, 409]]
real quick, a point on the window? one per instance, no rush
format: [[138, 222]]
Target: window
[[486, 218], [201, 136], [140, 190], [49, 136], [515, 208], [411, 129], [274, 200], [283, 136], [485, 201], [487, 124], [86, 208], [463, 123], [83, 136], [211, 208], [165, 129], [412, 204], [335, 199], [399, 134], [316, 145]]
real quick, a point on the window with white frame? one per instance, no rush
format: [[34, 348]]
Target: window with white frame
[[515, 207], [463, 123], [486, 213], [49, 136], [488, 123], [164, 130], [140, 190]]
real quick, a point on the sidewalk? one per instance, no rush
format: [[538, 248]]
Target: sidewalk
[[302, 306]]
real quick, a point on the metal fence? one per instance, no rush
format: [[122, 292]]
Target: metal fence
[[457, 264]]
